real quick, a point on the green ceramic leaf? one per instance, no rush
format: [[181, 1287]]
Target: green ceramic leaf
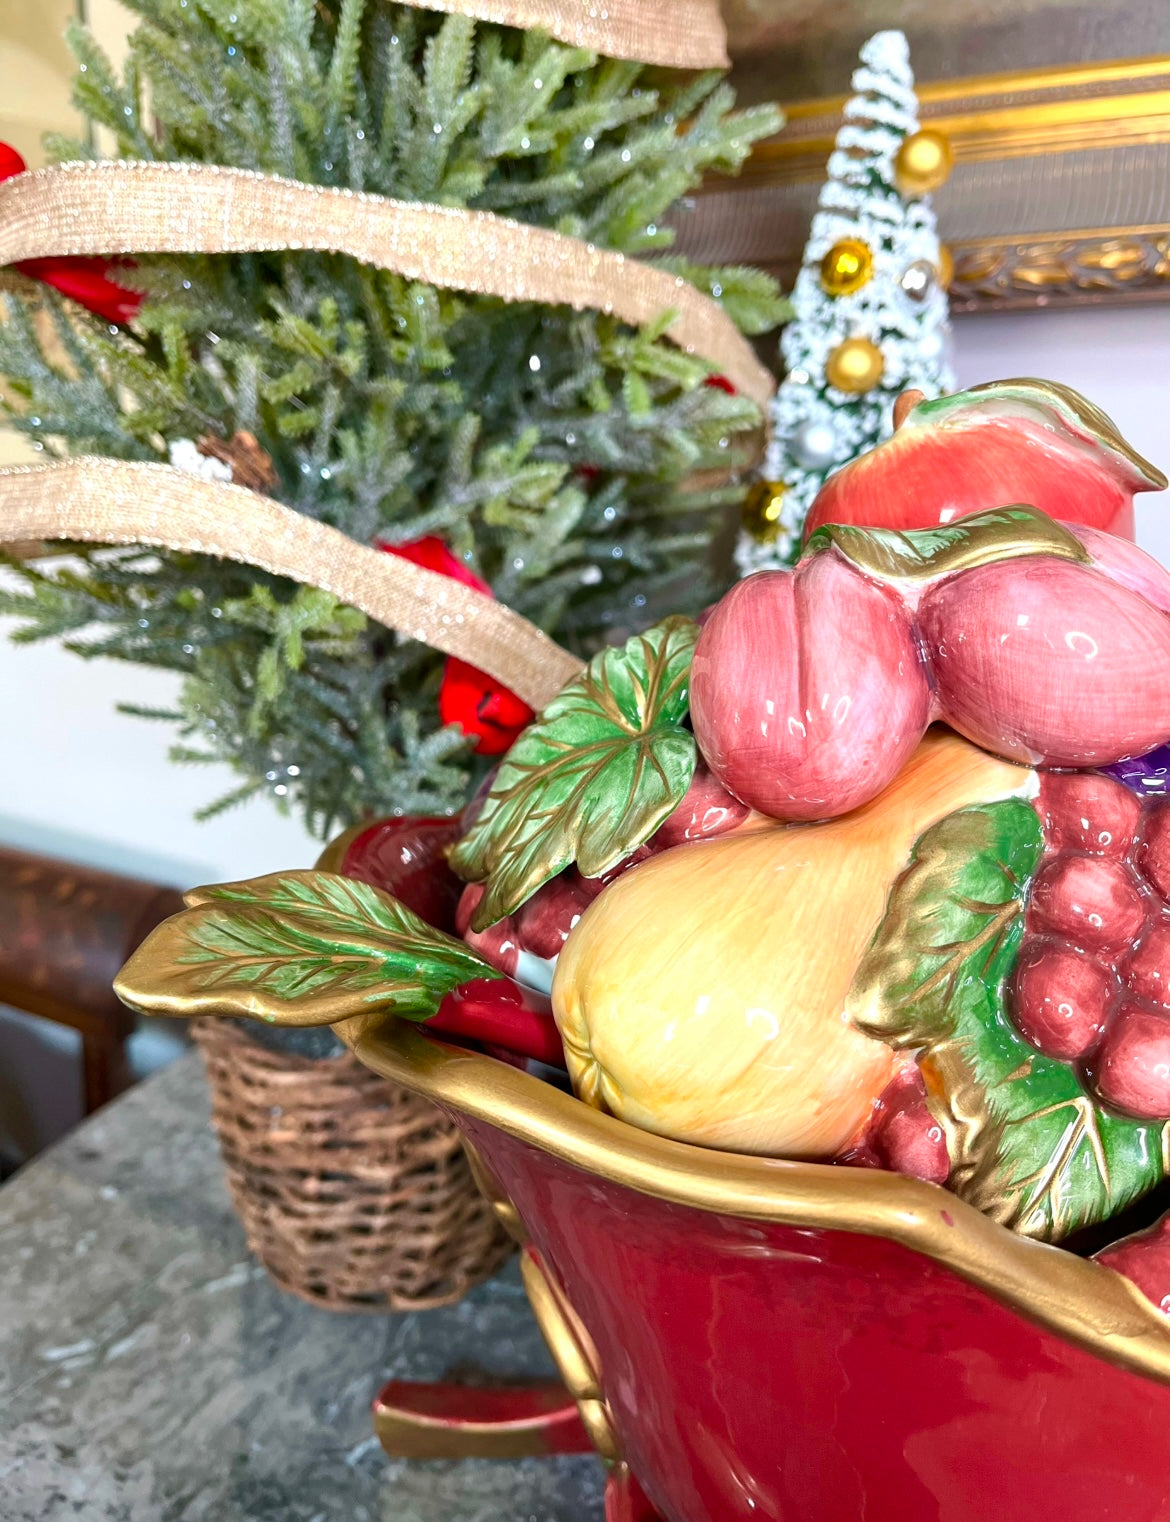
[[1028, 1145], [1003, 533], [593, 778], [296, 948]]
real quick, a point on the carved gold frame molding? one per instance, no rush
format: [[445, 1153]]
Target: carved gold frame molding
[[1060, 193]]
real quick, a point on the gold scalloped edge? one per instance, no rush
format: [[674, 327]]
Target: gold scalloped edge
[[1083, 1302]]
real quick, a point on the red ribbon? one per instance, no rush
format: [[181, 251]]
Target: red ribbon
[[84, 280]]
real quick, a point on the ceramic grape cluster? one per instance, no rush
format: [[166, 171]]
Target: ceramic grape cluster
[[856, 868]]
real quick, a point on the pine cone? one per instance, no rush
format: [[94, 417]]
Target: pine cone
[[250, 462]]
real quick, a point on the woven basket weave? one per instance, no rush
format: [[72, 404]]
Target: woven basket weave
[[354, 1193]]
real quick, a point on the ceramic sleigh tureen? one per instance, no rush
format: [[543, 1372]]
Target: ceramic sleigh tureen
[[868, 871]]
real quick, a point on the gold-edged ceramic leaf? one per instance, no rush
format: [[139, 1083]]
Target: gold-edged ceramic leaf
[[1002, 533], [607, 761], [1028, 1145], [1076, 413], [296, 948]]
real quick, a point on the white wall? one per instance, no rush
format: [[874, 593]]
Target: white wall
[[80, 780]]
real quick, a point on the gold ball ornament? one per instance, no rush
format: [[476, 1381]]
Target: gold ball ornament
[[855, 366], [946, 267], [761, 510], [846, 267], [924, 162]]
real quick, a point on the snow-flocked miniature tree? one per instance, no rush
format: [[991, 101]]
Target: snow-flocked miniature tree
[[870, 304]]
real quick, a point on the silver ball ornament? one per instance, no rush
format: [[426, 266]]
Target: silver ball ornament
[[814, 445], [918, 278]]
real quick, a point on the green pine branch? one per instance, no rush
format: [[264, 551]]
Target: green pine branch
[[550, 449]]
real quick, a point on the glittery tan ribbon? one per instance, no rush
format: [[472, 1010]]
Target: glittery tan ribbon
[[139, 208], [679, 34], [101, 501]]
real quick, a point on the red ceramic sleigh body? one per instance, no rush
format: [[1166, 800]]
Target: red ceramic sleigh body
[[807, 1343]]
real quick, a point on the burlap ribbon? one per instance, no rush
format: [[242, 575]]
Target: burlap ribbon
[[679, 34], [103, 501], [140, 208]]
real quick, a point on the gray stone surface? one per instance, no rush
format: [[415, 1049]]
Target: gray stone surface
[[150, 1372]]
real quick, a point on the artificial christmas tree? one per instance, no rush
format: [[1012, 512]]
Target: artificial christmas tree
[[547, 448], [870, 304]]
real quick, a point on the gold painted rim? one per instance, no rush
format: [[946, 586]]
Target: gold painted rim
[[1083, 1302]]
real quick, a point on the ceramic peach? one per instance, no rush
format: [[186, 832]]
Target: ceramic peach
[[808, 692], [1009, 441], [1048, 661], [1043, 642]]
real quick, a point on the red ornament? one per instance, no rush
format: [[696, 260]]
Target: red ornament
[[481, 707], [720, 383], [11, 163], [84, 280], [476, 702], [433, 555]]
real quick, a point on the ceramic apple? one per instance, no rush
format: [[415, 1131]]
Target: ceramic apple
[[1009, 441]]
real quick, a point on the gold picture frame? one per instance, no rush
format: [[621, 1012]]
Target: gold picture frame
[[1060, 193]]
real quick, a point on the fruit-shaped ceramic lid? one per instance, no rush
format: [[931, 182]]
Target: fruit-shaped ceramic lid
[[837, 873]]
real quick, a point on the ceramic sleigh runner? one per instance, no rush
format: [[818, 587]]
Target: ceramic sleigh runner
[[859, 868]]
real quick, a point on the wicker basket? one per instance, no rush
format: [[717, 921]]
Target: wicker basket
[[354, 1193]]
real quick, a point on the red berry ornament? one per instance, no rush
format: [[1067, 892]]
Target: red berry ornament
[[469, 698], [433, 555], [481, 707], [11, 163]]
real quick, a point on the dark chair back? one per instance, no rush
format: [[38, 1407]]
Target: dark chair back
[[65, 931]]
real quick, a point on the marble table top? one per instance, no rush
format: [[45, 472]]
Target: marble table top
[[150, 1371]]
